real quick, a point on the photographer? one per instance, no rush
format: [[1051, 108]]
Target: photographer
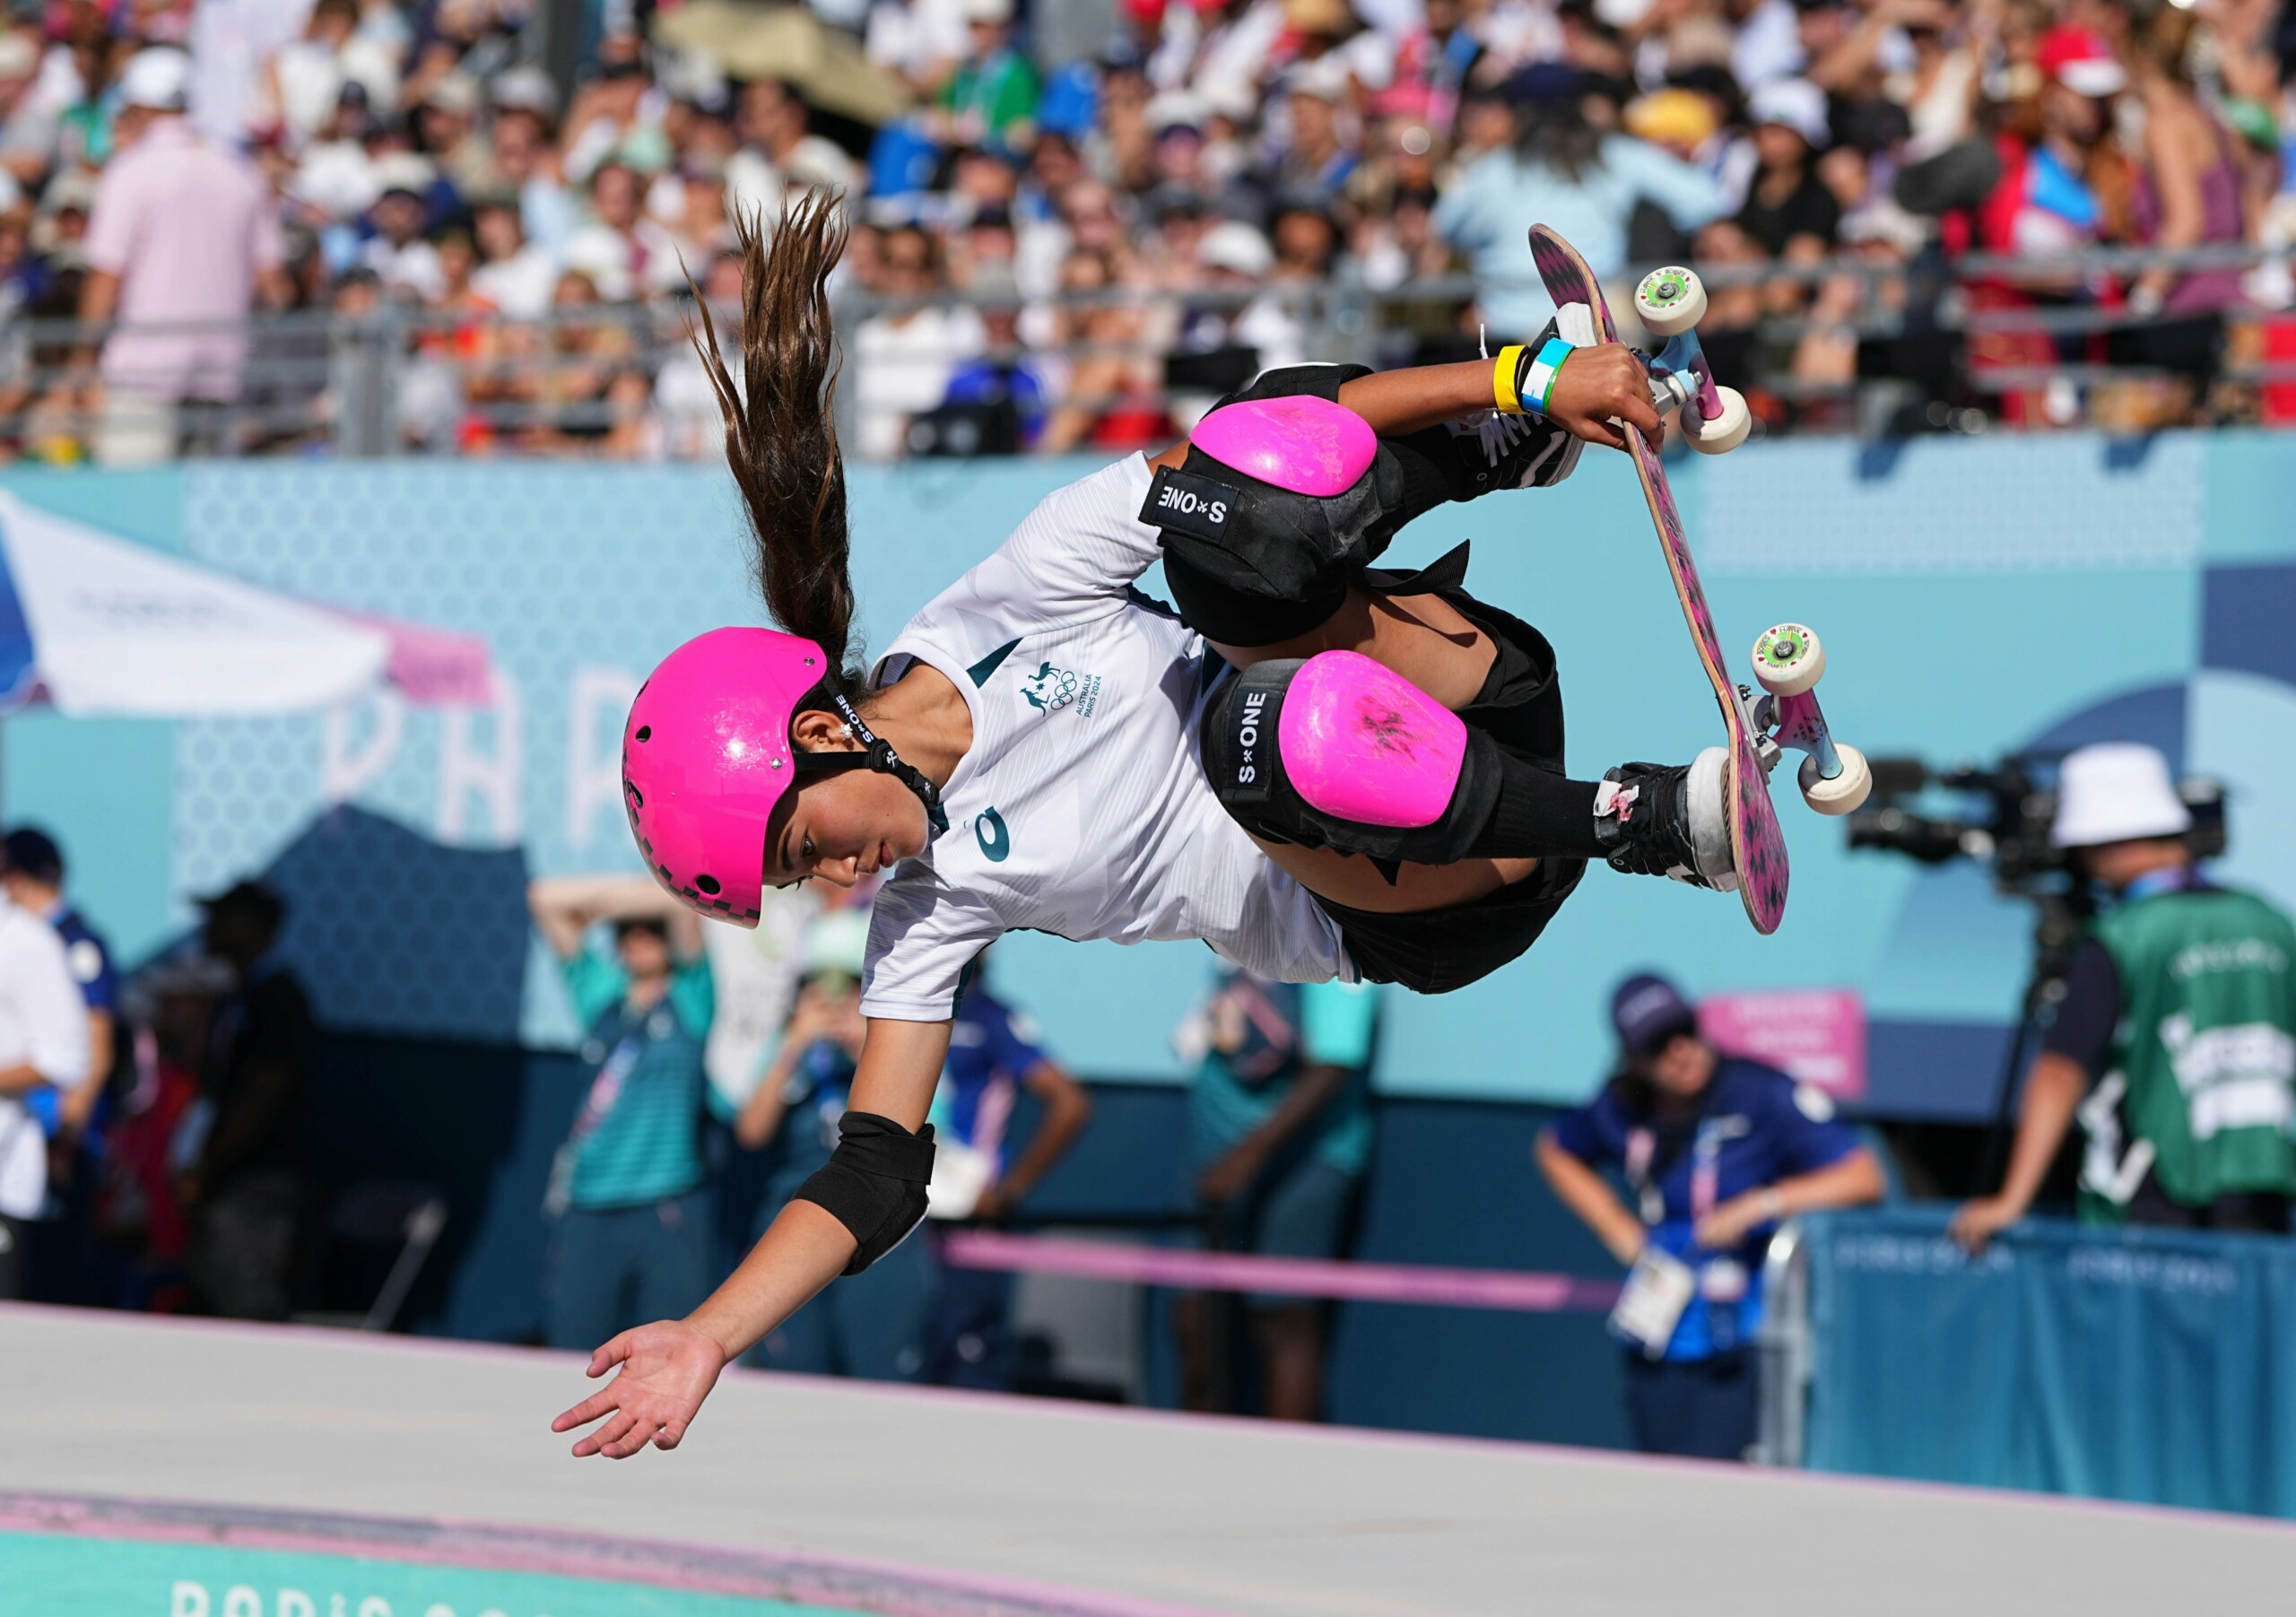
[[1717, 1151], [2179, 1007]]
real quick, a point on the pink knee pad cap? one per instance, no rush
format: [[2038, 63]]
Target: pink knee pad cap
[[1301, 443], [1362, 743]]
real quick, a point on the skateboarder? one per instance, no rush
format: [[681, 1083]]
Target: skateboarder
[[1042, 747]]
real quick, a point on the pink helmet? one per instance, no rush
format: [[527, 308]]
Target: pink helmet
[[705, 757]]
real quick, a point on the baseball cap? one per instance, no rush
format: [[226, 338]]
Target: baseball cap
[[524, 88], [1235, 245], [1795, 104], [29, 851], [250, 898], [2082, 62], [1648, 1011], [1680, 116], [157, 80], [2117, 791]]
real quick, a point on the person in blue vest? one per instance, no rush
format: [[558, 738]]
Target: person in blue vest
[[1716, 1152], [995, 1057], [1280, 1127], [631, 1236]]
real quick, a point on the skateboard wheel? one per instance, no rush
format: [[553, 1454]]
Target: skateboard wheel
[[1788, 659], [1726, 431], [1670, 300], [1846, 791]]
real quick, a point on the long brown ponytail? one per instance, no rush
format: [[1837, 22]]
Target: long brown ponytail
[[780, 431]]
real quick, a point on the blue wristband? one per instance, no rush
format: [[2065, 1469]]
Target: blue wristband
[[1538, 382]]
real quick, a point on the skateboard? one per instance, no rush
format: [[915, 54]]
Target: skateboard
[[1788, 658]]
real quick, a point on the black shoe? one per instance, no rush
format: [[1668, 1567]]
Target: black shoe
[[1654, 821], [1494, 450]]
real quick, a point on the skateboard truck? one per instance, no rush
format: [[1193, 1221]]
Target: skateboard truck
[[1788, 663], [1670, 302]]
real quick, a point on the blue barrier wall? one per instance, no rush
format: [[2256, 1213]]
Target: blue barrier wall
[[1977, 596], [2144, 1365]]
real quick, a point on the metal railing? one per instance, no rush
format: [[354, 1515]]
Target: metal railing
[[1785, 1348], [596, 380]]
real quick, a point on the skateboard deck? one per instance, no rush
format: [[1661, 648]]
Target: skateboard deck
[[1757, 846]]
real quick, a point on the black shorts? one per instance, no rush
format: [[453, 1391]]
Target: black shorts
[[1436, 951]]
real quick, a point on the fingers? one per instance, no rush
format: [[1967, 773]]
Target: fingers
[[588, 1410], [1636, 410], [612, 1353], [671, 1434], [603, 1440]]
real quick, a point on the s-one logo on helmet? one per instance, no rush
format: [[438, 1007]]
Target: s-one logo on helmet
[[1050, 690]]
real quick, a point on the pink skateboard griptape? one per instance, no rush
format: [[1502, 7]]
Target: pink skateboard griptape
[[1302, 444], [1361, 743]]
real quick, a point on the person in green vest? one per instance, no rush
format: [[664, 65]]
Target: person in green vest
[[991, 99], [2175, 1045]]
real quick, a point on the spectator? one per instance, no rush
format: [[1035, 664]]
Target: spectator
[[1787, 208], [871, 1325], [1565, 173], [780, 150], [179, 233], [400, 252], [1005, 392], [243, 1145], [43, 1046], [1716, 1152], [1280, 1131], [517, 276], [904, 357], [991, 99], [2187, 194], [2175, 1044], [630, 1236], [1114, 400], [995, 1057]]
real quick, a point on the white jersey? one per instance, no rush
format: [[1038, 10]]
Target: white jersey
[[1080, 808]]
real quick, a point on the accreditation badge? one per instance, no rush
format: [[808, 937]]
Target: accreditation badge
[[1658, 1288]]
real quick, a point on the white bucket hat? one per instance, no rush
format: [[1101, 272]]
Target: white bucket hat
[[2117, 791]]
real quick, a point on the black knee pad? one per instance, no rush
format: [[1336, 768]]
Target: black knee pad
[[1250, 562], [1368, 764], [874, 1183]]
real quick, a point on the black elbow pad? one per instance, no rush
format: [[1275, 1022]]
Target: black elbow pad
[[873, 1182]]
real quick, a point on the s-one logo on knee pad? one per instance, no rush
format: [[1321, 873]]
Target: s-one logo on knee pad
[[1250, 782], [1190, 504]]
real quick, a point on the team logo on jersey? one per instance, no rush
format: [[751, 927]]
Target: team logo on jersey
[[988, 830], [1050, 690]]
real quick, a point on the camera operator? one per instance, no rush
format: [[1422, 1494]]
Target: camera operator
[[2179, 1007]]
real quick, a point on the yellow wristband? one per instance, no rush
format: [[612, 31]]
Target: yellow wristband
[[1502, 381]]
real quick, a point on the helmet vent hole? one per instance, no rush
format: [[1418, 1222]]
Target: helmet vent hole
[[637, 798], [707, 884], [645, 731]]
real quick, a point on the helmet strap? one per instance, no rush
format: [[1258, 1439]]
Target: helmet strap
[[877, 753]]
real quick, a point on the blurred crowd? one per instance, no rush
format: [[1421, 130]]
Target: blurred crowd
[[1077, 226]]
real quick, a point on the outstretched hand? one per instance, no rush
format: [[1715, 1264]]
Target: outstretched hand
[[1601, 391], [668, 1370]]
